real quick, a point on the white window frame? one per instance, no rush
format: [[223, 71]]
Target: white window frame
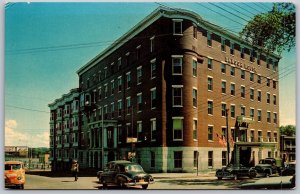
[[174, 28], [180, 57], [181, 102], [182, 120], [153, 129]]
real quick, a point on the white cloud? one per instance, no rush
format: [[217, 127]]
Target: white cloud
[[33, 138]]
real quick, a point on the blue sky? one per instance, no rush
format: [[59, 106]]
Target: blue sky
[[46, 43]]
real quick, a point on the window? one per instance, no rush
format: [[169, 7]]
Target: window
[[268, 98], [223, 87], [243, 111], [177, 27], [232, 71], [112, 109], [243, 91], [259, 79], [105, 90], [269, 136], [195, 131], [242, 74], [139, 102], [259, 96], [177, 159], [275, 136], [153, 98], [194, 68], [105, 111], [232, 48], [138, 52], [127, 59], [209, 63], [209, 39], [232, 89], [129, 130], [252, 77], [153, 68], [128, 103], [252, 112], [275, 65], [269, 117], [251, 55], [152, 44], [223, 112], [119, 63], [274, 99], [120, 84], [153, 129], [268, 82], [210, 83], [177, 96], [274, 84], [223, 46], [139, 75], [152, 159], [258, 115], [177, 128], [177, 65], [224, 158], [105, 72], [119, 108], [275, 117], [210, 131], [260, 137], [112, 68], [194, 97], [258, 59], [210, 159], [210, 107], [251, 93], [195, 31], [269, 61], [223, 68], [242, 53], [112, 87], [252, 136], [139, 131], [128, 80], [232, 111]]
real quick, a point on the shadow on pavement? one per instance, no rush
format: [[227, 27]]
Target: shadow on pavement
[[83, 173]]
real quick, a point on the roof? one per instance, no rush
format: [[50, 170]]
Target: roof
[[151, 18]]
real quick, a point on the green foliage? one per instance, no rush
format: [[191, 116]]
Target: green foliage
[[288, 130], [274, 30]]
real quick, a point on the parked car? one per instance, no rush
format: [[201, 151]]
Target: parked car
[[14, 174], [234, 172], [287, 182], [265, 169], [124, 173], [289, 170]]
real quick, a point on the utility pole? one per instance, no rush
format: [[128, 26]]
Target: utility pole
[[227, 138]]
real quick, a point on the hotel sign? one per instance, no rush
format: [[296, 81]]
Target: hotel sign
[[239, 64]]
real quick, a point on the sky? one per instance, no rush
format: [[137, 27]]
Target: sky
[[46, 43]]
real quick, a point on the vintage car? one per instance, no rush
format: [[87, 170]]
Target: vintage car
[[14, 174], [279, 183], [289, 170], [234, 172], [265, 169], [124, 173]]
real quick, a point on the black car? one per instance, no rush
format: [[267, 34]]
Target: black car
[[289, 170], [124, 173], [278, 183], [235, 172]]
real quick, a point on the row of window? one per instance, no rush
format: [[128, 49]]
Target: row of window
[[177, 30], [243, 74], [232, 114]]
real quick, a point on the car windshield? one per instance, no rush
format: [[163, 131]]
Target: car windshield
[[134, 168], [12, 166]]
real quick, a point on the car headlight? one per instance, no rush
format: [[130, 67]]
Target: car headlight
[[19, 177]]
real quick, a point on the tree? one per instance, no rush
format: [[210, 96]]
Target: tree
[[274, 30], [288, 130]]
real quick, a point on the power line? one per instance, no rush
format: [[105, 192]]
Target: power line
[[225, 4], [29, 109], [248, 5], [262, 7], [237, 5]]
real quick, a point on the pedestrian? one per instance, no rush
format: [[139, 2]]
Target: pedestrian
[[75, 169]]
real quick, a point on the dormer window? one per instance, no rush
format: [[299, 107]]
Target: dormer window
[[177, 26]]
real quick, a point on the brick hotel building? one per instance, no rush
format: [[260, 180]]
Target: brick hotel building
[[159, 94]]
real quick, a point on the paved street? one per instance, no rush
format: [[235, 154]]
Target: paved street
[[162, 181]]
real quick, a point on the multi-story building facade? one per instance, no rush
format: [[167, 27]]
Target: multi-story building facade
[[288, 148], [166, 93]]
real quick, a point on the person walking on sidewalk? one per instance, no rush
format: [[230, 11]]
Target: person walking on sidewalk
[[75, 169]]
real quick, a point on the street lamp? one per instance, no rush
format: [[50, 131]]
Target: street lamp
[[227, 137]]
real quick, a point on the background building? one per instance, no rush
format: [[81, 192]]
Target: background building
[[166, 93]]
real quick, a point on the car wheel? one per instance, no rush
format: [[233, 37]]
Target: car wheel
[[144, 186], [104, 184], [122, 184], [219, 178], [252, 174], [22, 186]]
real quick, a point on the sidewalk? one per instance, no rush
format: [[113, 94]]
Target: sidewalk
[[181, 175]]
